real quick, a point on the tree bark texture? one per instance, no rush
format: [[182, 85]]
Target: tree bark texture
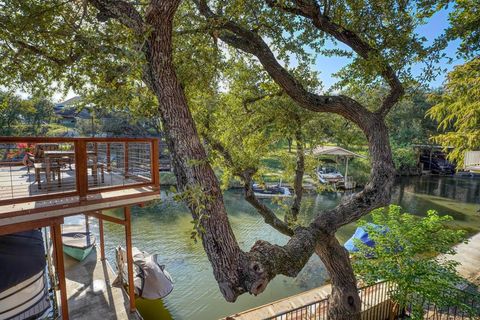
[[344, 302], [237, 271], [299, 170]]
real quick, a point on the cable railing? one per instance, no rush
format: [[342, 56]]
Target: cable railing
[[35, 168]]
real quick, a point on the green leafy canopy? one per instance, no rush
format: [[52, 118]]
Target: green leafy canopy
[[406, 253]]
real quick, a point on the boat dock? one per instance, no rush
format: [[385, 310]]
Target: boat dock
[[90, 292]]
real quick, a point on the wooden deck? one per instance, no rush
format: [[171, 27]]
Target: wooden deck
[[90, 292], [21, 213], [19, 182]]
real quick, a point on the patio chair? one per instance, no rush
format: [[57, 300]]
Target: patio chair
[[94, 165], [40, 164]]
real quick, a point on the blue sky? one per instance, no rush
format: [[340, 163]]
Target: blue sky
[[435, 27]]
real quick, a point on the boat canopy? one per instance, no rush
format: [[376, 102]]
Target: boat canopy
[[334, 151], [472, 161], [22, 255], [337, 152]]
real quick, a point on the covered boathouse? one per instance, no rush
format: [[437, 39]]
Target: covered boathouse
[[43, 180]]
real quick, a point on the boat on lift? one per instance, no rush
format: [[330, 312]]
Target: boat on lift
[[271, 191], [329, 175]]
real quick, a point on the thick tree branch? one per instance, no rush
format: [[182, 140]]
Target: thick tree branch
[[299, 170], [122, 11], [250, 42], [246, 175], [311, 10]]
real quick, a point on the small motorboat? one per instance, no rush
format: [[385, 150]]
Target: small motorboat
[[271, 191], [328, 175], [23, 282], [77, 241]]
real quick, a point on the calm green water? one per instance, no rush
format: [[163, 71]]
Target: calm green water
[[165, 228]]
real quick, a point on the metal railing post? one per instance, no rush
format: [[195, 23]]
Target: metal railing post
[[125, 159]]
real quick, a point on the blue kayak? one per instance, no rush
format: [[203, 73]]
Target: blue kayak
[[362, 235]]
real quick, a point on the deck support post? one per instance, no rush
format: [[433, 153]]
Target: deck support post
[[56, 234], [128, 242], [102, 239]]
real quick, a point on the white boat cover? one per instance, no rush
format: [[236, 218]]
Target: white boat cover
[[25, 300], [151, 279], [23, 289]]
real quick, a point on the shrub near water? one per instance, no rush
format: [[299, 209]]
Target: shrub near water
[[406, 253]]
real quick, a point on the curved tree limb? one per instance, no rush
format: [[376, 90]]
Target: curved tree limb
[[250, 42], [299, 169], [123, 11], [246, 175], [311, 10]]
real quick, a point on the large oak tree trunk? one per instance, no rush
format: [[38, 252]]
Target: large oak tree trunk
[[188, 154], [344, 301]]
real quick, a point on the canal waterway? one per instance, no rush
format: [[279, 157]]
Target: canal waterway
[[165, 228]]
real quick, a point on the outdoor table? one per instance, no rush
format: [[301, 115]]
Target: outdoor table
[[58, 154]]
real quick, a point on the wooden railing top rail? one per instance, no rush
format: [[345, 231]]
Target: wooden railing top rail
[[4, 139]]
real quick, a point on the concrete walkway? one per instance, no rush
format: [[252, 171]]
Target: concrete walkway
[[468, 255], [90, 293], [279, 306]]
